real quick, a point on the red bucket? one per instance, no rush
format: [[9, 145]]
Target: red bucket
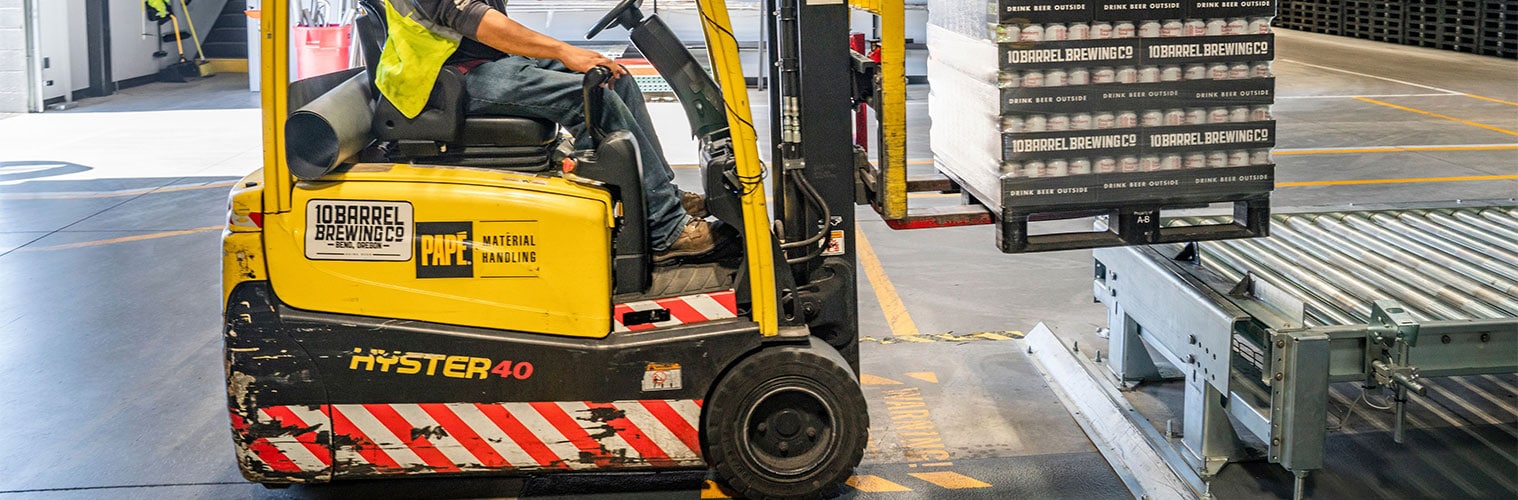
[[321, 49]]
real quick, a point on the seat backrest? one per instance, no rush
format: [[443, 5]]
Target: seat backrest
[[444, 117], [372, 29], [442, 120]]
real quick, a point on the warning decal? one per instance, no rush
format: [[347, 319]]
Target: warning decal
[[835, 244], [662, 377], [358, 230]]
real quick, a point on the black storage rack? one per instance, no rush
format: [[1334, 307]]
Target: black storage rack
[[1486, 27], [1499, 28], [1378, 21]]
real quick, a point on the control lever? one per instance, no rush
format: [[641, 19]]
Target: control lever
[[594, 99]]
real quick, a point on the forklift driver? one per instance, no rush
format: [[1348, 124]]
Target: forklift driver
[[513, 70]]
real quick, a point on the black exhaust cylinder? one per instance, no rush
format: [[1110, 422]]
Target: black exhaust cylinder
[[330, 129]]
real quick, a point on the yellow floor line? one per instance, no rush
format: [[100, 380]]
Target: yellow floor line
[[890, 303], [951, 480], [1485, 98], [1394, 149], [922, 338], [909, 162], [1410, 180], [109, 194], [999, 336], [124, 239], [874, 484], [1437, 115]]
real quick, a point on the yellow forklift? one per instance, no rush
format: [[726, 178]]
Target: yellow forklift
[[468, 295]]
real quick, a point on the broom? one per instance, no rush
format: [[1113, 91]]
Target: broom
[[184, 70], [201, 63]]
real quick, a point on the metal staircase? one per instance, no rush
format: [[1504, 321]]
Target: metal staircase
[[228, 38]]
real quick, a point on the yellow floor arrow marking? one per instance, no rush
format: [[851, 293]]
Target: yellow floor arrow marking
[[873, 380], [951, 480], [924, 376], [874, 484]]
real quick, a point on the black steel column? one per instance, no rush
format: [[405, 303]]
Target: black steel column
[[826, 146], [97, 27]]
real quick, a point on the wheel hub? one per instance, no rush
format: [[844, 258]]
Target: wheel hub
[[787, 422], [789, 430]]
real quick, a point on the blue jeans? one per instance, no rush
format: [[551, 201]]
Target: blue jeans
[[544, 88]]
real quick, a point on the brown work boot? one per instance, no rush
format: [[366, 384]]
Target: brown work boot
[[695, 239], [694, 204]]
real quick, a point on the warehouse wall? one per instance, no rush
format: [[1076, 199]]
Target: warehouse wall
[[13, 93], [63, 41], [132, 51]]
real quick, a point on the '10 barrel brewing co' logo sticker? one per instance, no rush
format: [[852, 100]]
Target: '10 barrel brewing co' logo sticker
[[358, 230]]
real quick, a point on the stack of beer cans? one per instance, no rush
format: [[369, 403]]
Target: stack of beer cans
[[1093, 92]]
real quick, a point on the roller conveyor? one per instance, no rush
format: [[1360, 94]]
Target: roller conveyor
[[1260, 329]]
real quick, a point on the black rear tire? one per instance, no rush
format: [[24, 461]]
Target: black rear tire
[[787, 422]]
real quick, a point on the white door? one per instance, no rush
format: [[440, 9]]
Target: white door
[[53, 46]]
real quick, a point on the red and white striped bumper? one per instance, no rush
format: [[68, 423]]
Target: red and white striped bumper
[[370, 439], [682, 310]]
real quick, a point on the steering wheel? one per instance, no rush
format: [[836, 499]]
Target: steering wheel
[[617, 14]]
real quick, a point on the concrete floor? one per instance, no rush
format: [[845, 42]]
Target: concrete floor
[[110, 376]]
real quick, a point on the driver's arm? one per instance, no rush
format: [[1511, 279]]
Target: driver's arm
[[506, 35], [478, 20]]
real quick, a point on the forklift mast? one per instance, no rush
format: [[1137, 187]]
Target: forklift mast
[[812, 164]]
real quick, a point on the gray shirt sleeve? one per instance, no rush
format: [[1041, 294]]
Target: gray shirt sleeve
[[463, 16]]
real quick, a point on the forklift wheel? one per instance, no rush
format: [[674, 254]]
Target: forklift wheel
[[788, 422]]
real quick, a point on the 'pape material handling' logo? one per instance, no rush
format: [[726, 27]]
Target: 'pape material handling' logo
[[444, 250]]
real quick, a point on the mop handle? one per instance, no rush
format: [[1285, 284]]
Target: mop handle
[[177, 40], [199, 52]]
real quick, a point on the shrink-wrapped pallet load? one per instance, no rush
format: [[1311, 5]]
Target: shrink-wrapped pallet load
[[1065, 106]]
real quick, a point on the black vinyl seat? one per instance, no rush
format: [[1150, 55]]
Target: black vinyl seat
[[444, 132]]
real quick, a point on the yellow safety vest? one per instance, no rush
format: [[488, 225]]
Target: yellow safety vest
[[413, 56]]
